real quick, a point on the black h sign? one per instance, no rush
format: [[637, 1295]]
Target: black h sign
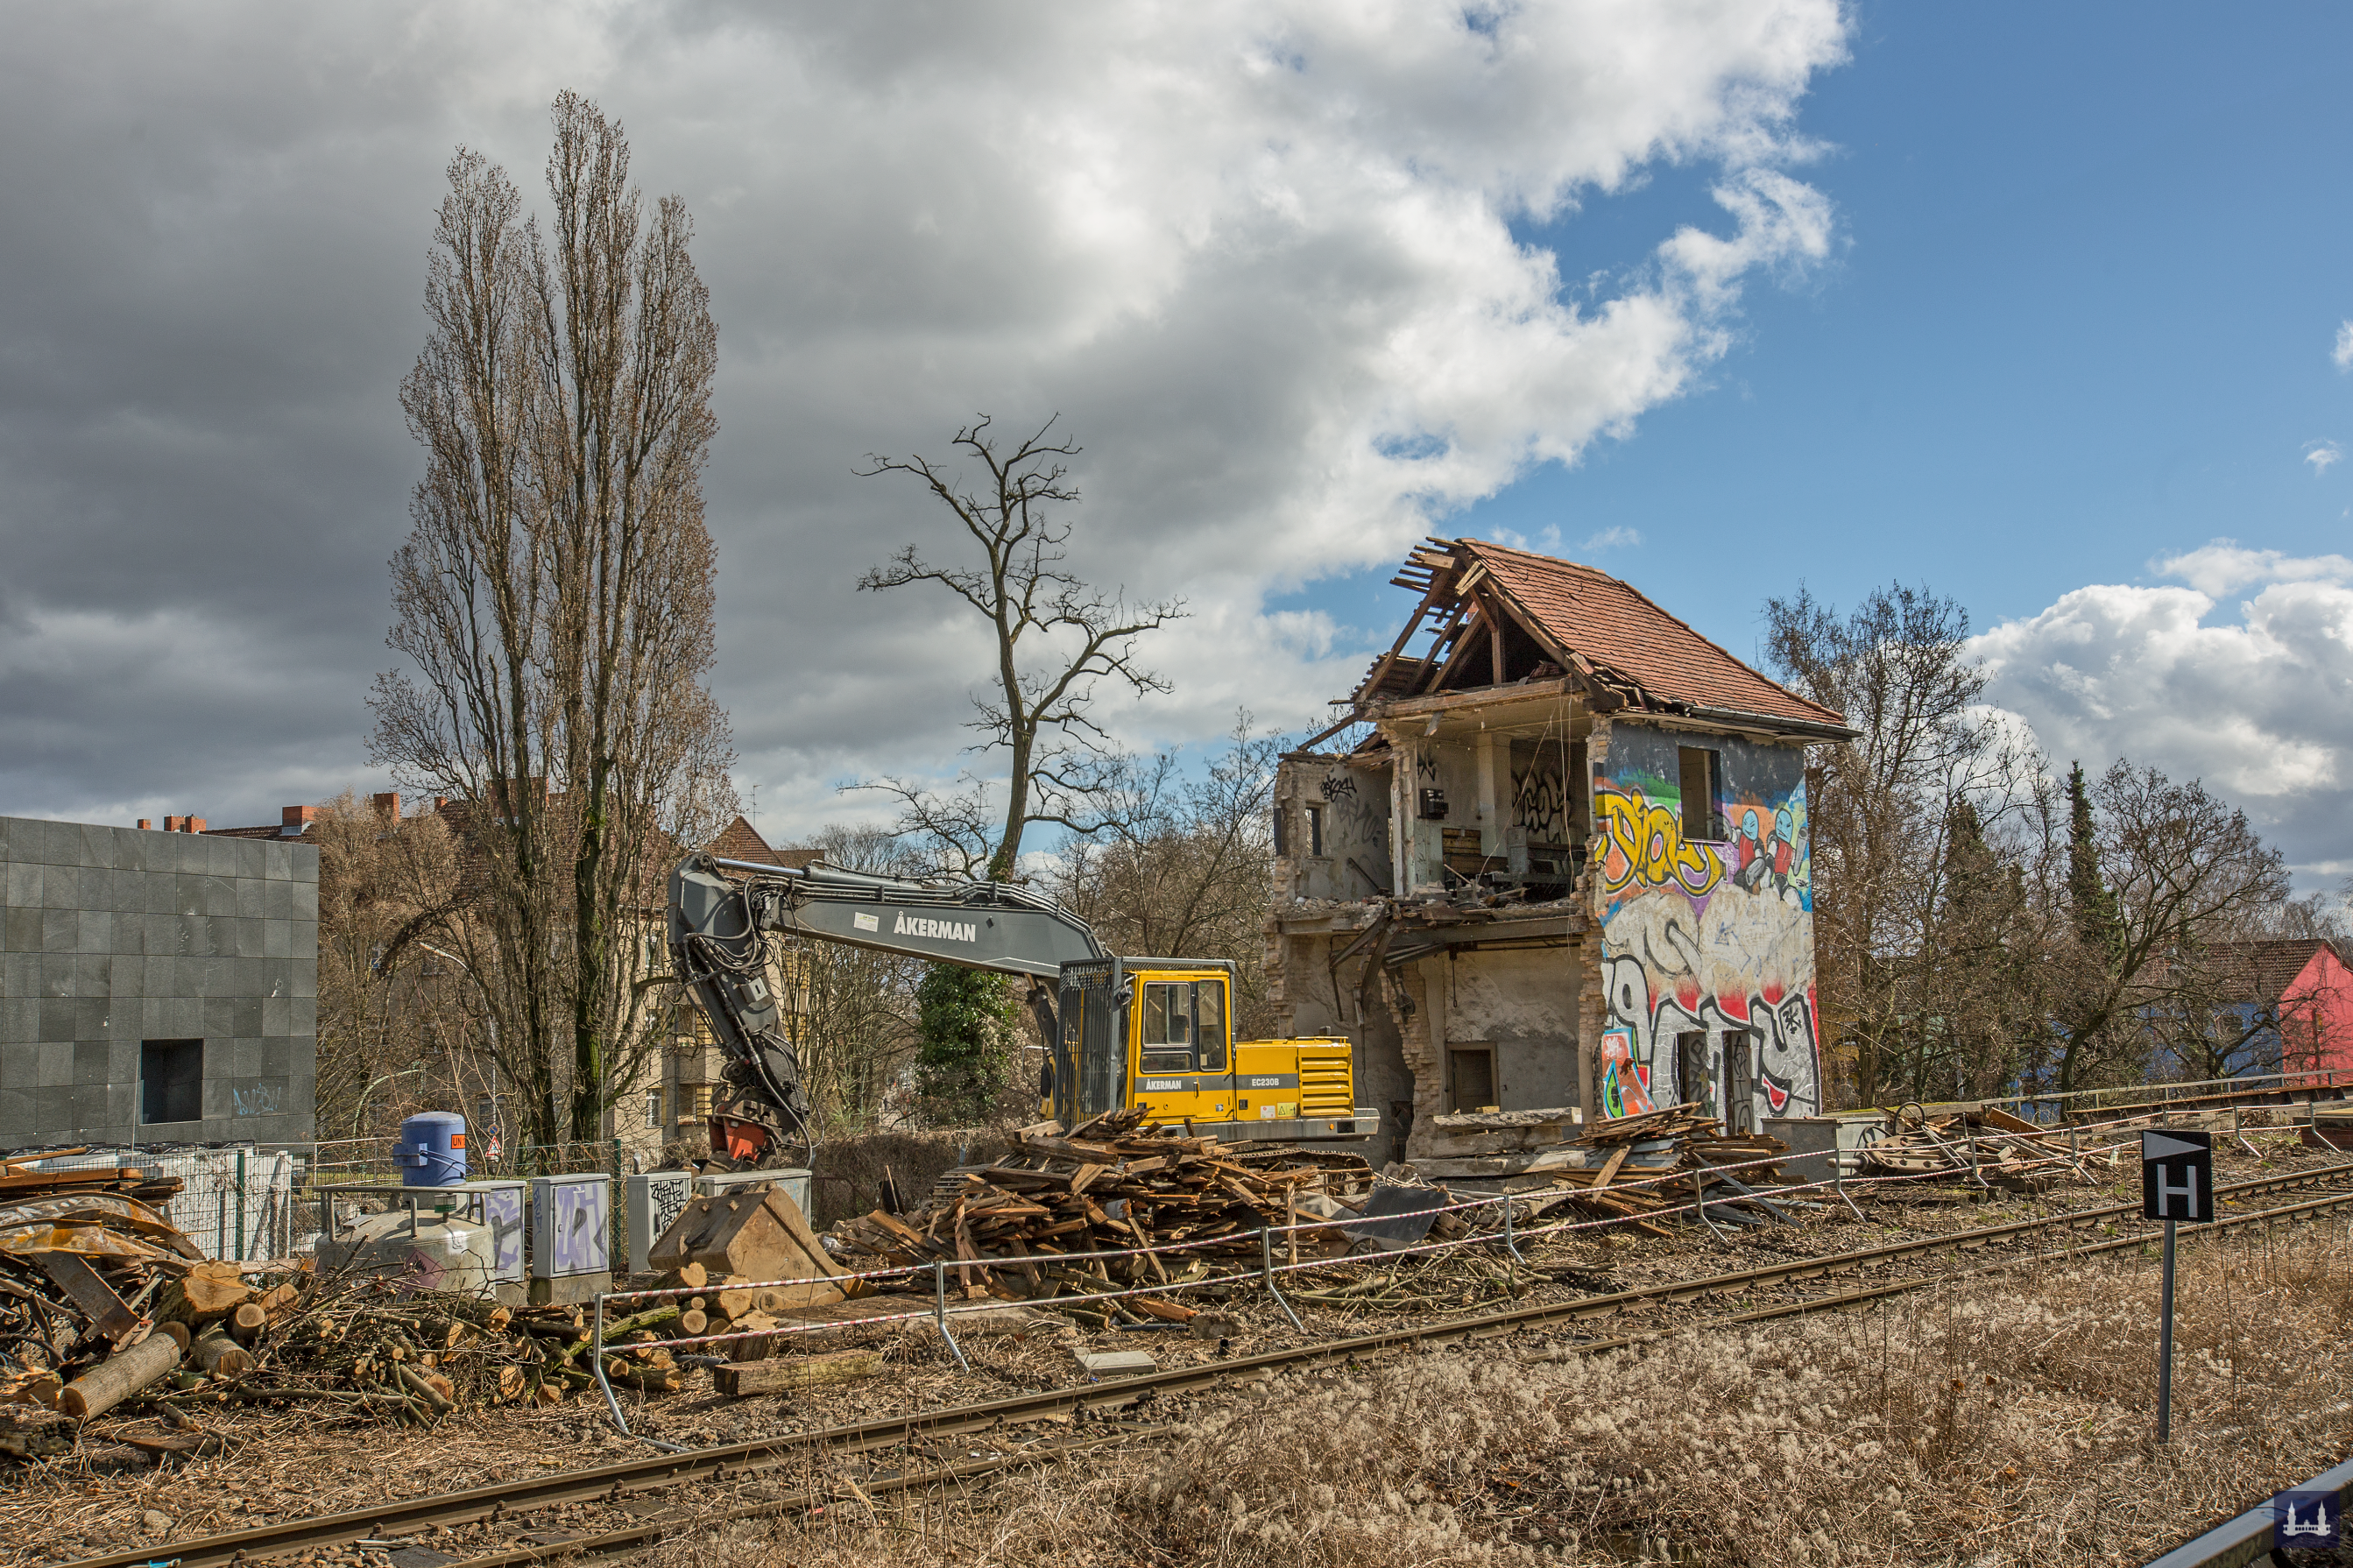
[[2177, 1176]]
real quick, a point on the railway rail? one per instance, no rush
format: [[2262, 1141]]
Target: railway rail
[[616, 1482]]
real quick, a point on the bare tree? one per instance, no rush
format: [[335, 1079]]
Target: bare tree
[[395, 1031], [2181, 871], [1056, 639], [1186, 870], [1929, 939], [556, 599], [856, 1007]]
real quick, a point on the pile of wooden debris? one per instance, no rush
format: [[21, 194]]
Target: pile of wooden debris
[[1107, 1185], [1985, 1145], [1633, 1165], [1624, 1168]]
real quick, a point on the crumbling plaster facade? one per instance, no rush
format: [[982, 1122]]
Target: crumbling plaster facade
[[1504, 897]]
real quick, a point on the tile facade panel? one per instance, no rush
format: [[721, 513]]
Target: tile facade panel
[[110, 936]]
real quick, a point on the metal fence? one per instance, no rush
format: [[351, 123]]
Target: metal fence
[[235, 1203], [2051, 1108], [373, 1161]]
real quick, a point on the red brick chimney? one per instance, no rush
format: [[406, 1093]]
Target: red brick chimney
[[386, 805], [195, 823], [146, 822], [293, 819]]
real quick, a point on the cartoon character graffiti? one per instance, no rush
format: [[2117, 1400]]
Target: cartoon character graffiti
[[1645, 846], [1768, 849]]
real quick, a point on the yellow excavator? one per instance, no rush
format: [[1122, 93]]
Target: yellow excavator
[[1120, 1032]]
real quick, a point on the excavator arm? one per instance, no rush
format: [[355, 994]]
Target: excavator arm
[[718, 930]]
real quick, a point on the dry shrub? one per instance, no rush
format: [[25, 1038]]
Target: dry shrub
[[2005, 1421], [847, 1178]]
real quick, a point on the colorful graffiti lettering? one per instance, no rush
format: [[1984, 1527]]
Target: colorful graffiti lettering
[[1647, 847], [1642, 1025]]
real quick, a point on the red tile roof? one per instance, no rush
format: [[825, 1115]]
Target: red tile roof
[[2266, 969], [739, 840], [1629, 642]]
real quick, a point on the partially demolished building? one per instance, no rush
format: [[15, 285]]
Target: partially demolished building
[[1565, 865]]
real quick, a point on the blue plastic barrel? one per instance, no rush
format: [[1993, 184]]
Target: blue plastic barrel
[[432, 1152]]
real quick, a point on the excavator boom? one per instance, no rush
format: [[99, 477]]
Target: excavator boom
[[1153, 1031], [718, 923]]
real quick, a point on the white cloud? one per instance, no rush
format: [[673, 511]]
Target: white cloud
[[2343, 353], [1618, 538], [2321, 454], [1261, 257], [2261, 708], [2221, 565]]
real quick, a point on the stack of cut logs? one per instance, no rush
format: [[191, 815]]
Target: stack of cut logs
[[1107, 1185], [1988, 1144], [1664, 1159]]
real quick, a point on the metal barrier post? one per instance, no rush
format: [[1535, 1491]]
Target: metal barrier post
[[612, 1401], [1266, 1275], [240, 1205], [1838, 1181], [1509, 1245], [940, 1309], [1699, 1197]]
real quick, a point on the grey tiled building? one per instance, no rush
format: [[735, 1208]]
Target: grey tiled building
[[156, 987]]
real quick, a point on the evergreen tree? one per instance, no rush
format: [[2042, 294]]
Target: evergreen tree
[[2089, 899], [964, 1034]]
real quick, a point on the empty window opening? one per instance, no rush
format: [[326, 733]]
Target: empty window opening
[[171, 1081], [1701, 776], [1315, 832], [1695, 1084], [1474, 1073]]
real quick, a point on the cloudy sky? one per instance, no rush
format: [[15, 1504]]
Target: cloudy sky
[[1722, 297]]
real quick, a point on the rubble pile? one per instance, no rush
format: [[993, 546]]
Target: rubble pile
[[104, 1303], [1731, 1174], [1108, 1184], [1624, 1168], [1988, 1145]]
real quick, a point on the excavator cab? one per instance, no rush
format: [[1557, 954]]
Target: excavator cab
[[1158, 1033]]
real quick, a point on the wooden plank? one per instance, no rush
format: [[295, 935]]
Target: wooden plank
[[106, 1311], [783, 1374], [1610, 1167]]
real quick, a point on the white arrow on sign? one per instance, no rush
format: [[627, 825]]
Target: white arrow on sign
[[2157, 1146]]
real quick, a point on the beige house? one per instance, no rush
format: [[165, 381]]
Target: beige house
[[1566, 865]]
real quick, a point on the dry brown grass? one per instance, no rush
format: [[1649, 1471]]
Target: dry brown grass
[[2006, 1421]]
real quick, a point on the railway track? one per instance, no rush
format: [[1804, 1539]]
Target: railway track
[[617, 1483]]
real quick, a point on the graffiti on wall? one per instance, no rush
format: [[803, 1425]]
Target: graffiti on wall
[[1644, 846], [1539, 797], [1712, 938], [1625, 1078]]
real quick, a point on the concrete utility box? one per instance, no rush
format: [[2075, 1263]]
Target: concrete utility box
[[758, 1236], [656, 1200], [793, 1179], [571, 1237], [465, 1238], [156, 987]]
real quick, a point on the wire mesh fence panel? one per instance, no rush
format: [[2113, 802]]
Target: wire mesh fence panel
[[235, 1203]]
